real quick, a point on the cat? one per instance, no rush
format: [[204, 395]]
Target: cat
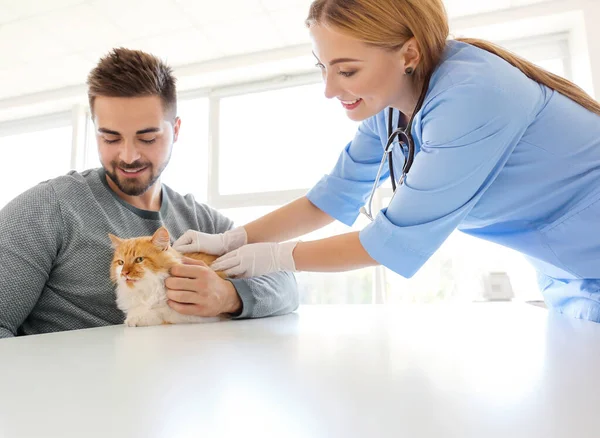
[[139, 268]]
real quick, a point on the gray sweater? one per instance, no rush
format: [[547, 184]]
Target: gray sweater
[[55, 254]]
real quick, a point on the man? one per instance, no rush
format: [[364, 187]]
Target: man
[[55, 251]]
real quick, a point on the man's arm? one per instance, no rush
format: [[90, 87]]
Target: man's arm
[[30, 239], [268, 295]]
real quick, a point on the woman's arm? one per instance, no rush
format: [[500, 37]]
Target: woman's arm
[[339, 253], [292, 220], [333, 254], [295, 219]]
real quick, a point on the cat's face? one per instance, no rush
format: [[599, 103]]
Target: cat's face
[[134, 258]]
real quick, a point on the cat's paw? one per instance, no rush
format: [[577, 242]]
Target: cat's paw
[[144, 320], [133, 321]]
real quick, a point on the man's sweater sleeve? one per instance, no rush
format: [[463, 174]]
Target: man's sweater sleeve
[[267, 295], [30, 236]]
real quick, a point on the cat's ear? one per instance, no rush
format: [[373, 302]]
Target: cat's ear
[[161, 238], [115, 240]]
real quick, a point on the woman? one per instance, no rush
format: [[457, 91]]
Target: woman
[[503, 150]]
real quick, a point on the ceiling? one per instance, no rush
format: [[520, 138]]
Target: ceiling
[[50, 44]]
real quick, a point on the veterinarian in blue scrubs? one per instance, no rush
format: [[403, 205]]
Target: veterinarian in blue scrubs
[[503, 150]]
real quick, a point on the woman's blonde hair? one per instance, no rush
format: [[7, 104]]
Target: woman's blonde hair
[[390, 23]]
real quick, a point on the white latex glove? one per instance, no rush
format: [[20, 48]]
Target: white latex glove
[[257, 259], [215, 244]]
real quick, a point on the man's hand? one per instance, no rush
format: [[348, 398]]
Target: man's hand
[[195, 289]]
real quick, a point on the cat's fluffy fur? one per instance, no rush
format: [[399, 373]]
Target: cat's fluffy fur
[[139, 269]]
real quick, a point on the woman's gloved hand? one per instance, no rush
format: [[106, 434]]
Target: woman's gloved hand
[[215, 244], [257, 259]]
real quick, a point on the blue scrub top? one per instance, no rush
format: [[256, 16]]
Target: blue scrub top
[[498, 156]]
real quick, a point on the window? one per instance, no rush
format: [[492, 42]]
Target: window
[[550, 52], [33, 157], [188, 169], [91, 159], [353, 287], [466, 269], [271, 139]]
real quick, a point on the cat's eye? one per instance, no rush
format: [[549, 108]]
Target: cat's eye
[[120, 262], [139, 260]]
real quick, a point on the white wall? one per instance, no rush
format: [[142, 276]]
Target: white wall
[[592, 37]]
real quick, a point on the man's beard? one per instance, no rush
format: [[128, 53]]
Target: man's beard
[[134, 186]]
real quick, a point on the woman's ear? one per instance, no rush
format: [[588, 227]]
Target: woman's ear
[[410, 55]]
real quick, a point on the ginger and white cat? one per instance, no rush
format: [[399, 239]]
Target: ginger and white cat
[[139, 268]]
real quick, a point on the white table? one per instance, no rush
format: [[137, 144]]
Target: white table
[[482, 370]]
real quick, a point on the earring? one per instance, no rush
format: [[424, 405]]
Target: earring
[[409, 71]]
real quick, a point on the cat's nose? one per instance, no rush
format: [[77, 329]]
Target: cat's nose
[[124, 273]]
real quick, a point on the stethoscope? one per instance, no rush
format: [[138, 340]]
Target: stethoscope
[[404, 136]]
